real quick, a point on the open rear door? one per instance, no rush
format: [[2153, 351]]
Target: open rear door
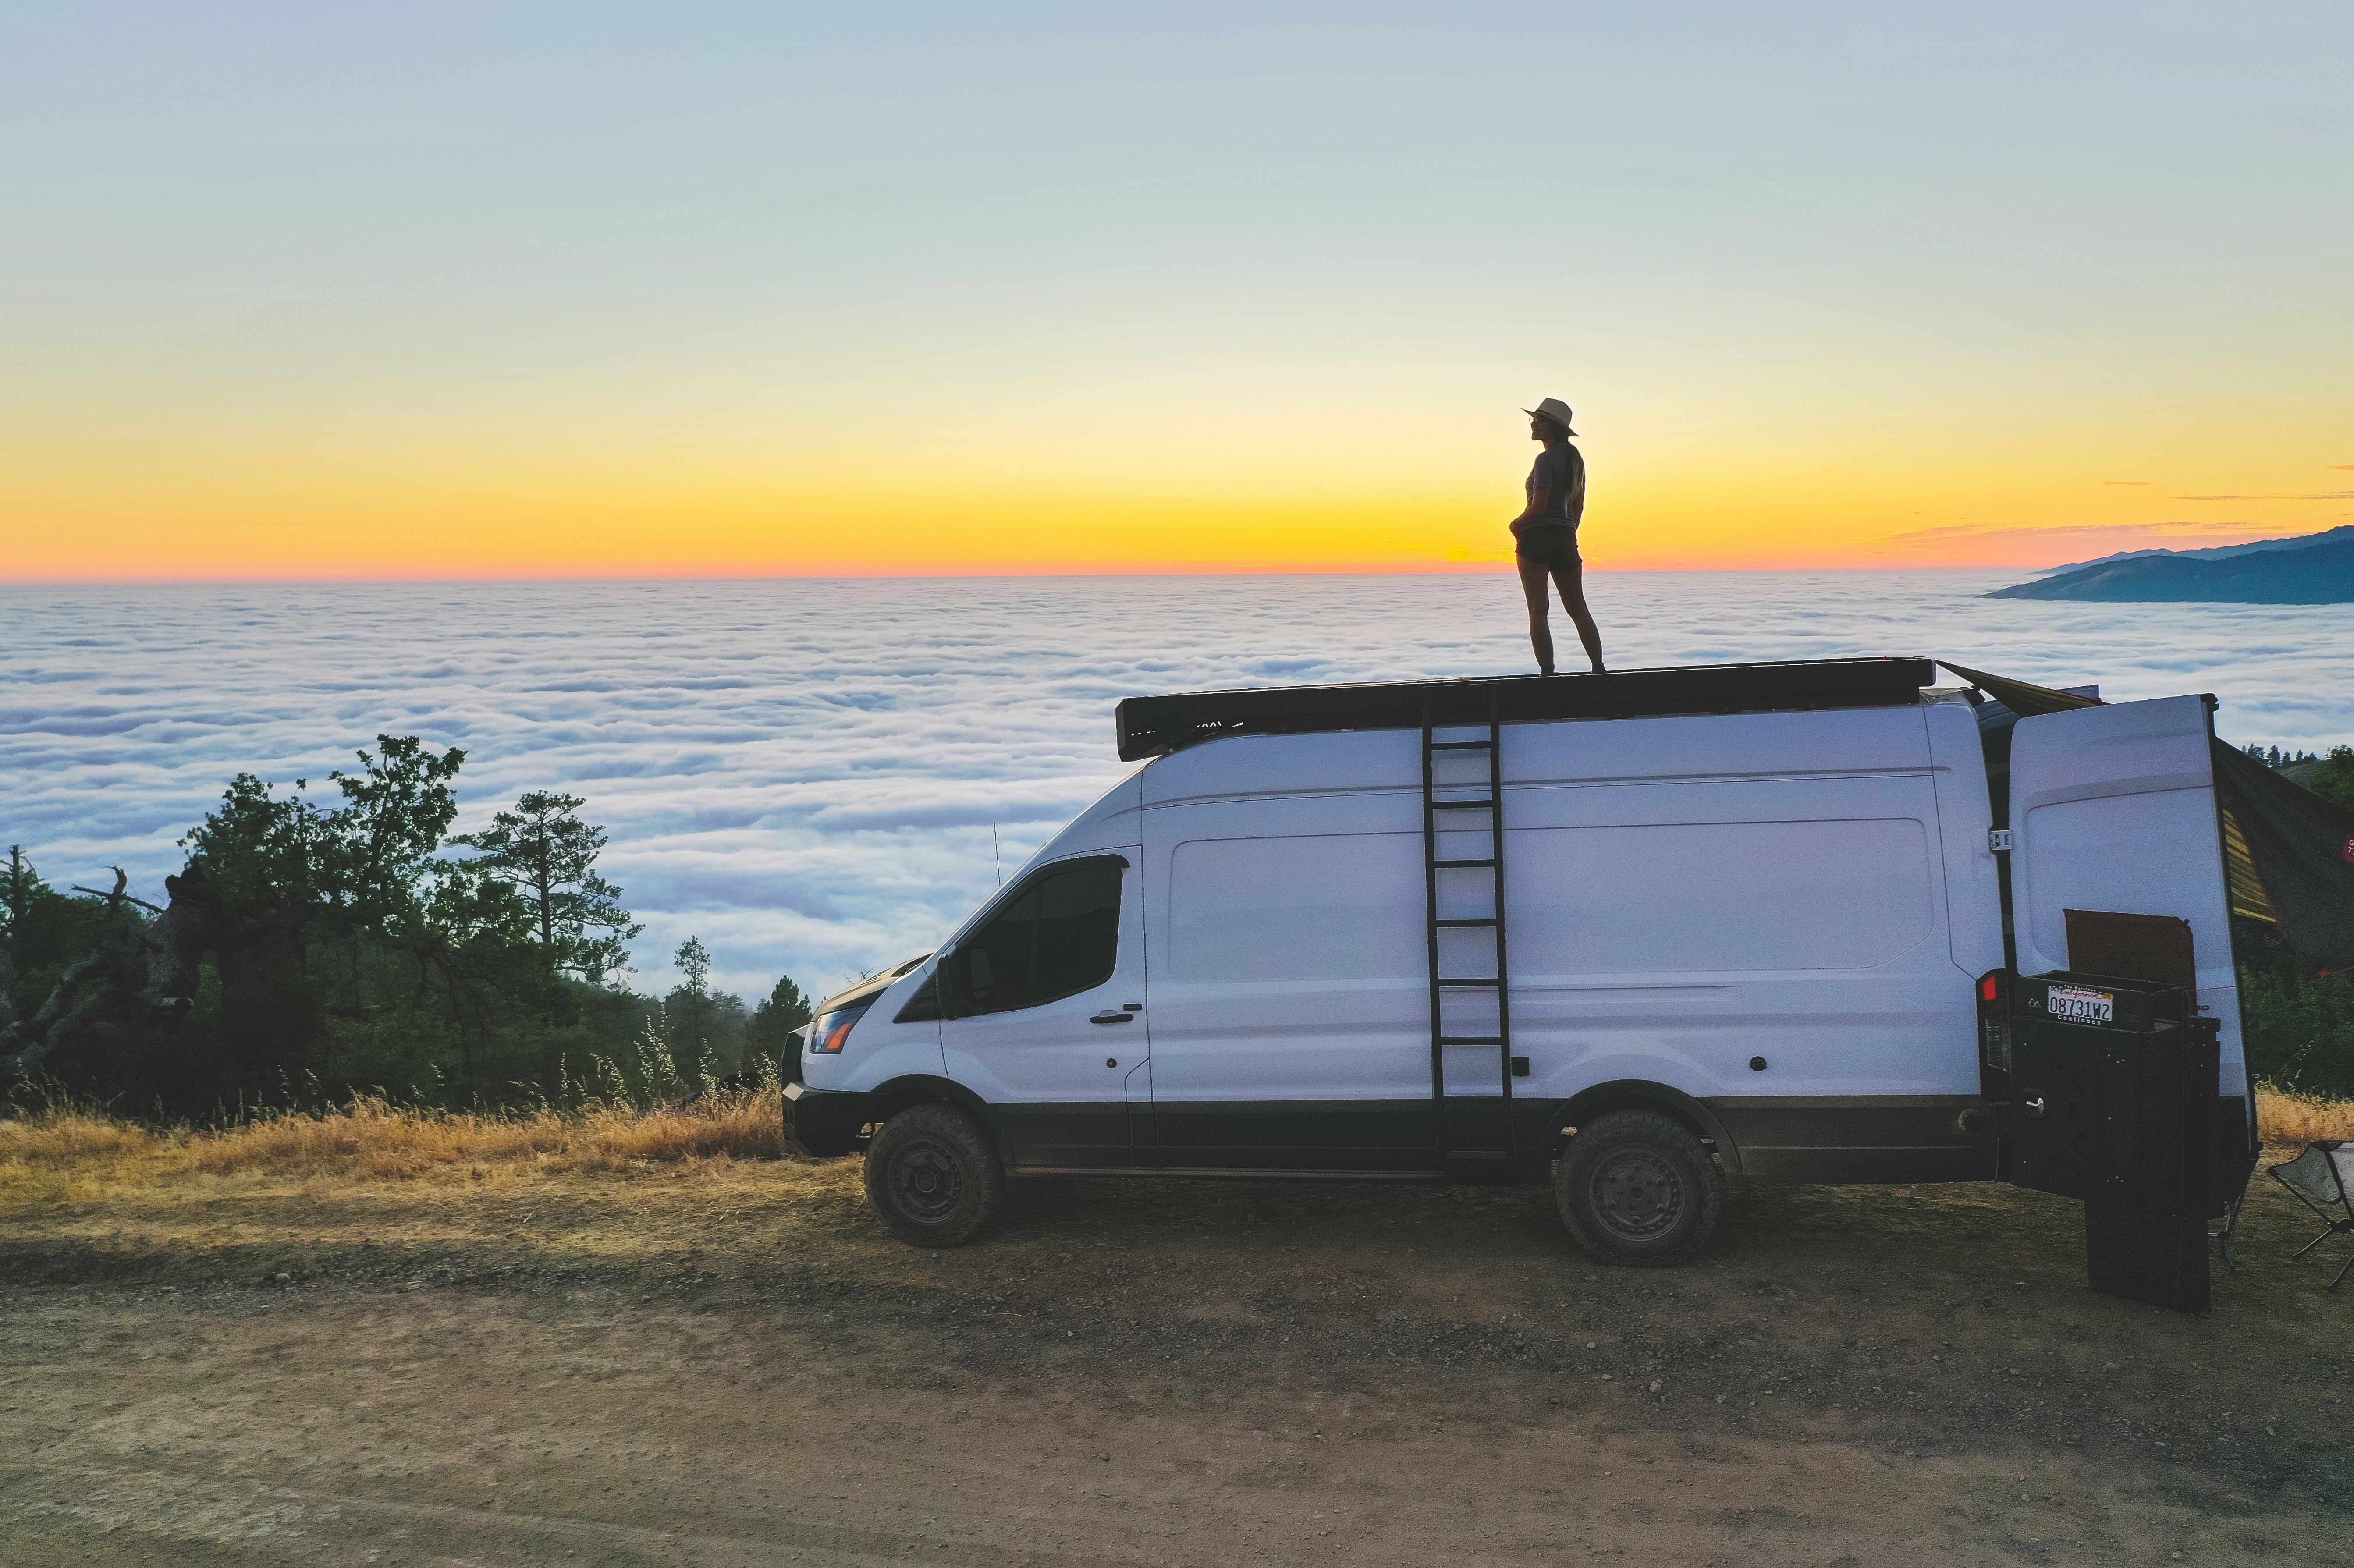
[[2112, 814]]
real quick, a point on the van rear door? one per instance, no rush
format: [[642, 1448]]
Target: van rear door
[[2112, 813]]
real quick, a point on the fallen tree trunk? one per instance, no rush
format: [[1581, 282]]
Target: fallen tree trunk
[[122, 1005]]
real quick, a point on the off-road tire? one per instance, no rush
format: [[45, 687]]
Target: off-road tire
[[1636, 1188], [934, 1176]]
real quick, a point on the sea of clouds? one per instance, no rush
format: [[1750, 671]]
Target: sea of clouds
[[807, 774]]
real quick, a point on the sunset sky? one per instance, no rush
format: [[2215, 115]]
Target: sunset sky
[[428, 291]]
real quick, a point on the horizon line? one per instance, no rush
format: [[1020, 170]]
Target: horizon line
[[981, 573]]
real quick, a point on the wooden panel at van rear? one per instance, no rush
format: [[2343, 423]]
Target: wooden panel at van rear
[[2156, 947], [1826, 1138]]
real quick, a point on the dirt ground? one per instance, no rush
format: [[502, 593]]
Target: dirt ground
[[733, 1363]]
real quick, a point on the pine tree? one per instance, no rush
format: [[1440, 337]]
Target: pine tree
[[784, 1010], [550, 855], [17, 893], [689, 1008]]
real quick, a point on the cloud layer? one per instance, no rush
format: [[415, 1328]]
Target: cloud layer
[[806, 773]]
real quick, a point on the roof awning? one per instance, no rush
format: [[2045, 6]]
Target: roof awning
[[1151, 726]]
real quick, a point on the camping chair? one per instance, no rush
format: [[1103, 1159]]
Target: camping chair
[[2318, 1178]]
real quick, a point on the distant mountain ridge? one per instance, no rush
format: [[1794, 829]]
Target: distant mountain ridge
[[2213, 552], [2300, 573]]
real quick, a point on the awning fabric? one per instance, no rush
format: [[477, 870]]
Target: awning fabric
[[2288, 854], [2302, 848], [2023, 698]]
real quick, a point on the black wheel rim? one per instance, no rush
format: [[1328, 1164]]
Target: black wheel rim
[[1637, 1196], [926, 1182]]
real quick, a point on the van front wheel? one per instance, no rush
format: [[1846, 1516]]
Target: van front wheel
[[933, 1175], [1636, 1187]]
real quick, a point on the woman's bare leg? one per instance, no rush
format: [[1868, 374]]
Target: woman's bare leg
[[1570, 581], [1532, 585]]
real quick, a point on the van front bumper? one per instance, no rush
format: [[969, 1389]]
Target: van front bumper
[[822, 1123]]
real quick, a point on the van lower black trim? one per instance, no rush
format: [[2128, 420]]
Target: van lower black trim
[[1345, 1135], [1621, 1094], [1858, 1138], [1240, 1173], [822, 1123], [1803, 1137]]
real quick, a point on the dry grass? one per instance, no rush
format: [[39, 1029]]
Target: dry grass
[[62, 1154], [2286, 1119], [67, 1154]]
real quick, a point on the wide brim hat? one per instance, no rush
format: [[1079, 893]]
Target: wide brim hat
[[1553, 408]]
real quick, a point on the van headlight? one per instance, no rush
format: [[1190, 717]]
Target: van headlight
[[828, 1030]]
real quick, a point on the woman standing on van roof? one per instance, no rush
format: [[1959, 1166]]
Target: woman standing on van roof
[[1545, 534]]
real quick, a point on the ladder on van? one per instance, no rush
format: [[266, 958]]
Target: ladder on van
[[1473, 1130]]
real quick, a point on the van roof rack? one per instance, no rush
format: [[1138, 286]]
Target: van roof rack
[[1150, 727]]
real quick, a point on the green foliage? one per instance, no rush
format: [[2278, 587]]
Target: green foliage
[[356, 954], [359, 957], [694, 960], [2334, 780], [550, 855], [782, 1012], [262, 853], [43, 930], [704, 1029], [2298, 1024], [400, 805]]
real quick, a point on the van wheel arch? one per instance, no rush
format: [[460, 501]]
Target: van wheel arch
[[1636, 1094], [889, 1099]]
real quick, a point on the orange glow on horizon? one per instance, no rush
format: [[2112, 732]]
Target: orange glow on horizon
[[219, 516]]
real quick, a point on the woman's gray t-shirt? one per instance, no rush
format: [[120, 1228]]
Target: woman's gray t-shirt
[[1560, 473]]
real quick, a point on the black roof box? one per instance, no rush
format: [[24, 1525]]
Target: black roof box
[[1151, 726]]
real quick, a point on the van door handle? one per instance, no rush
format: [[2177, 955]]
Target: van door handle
[[1111, 1017], [2034, 1107]]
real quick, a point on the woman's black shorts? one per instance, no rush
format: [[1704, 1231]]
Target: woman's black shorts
[[1552, 545]]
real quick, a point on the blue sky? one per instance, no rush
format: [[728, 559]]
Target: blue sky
[[267, 265]]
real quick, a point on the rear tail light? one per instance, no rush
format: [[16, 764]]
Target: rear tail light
[[1994, 1020]]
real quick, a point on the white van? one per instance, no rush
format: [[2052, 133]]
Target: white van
[[1622, 932]]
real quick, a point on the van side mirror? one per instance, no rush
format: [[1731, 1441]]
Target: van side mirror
[[959, 981]]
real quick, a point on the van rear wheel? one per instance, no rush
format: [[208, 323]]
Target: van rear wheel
[[1636, 1187], [933, 1175]]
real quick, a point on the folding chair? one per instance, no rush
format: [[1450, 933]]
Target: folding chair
[[2319, 1177]]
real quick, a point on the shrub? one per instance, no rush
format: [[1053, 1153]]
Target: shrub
[[2299, 1028]]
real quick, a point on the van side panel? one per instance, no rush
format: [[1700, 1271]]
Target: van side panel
[[1687, 923], [1684, 895], [1291, 1019]]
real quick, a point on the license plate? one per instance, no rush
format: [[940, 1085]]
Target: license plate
[[2081, 1004]]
